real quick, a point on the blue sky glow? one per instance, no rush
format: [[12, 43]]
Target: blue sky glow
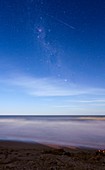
[[52, 57]]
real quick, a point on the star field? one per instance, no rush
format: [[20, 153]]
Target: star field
[[52, 51]]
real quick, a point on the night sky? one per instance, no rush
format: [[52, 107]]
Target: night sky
[[52, 57]]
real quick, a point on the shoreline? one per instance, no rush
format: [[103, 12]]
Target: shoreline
[[22, 155], [52, 145]]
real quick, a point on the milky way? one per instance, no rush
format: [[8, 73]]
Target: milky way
[[52, 53]]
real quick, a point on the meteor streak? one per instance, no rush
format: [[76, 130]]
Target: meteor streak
[[62, 22]]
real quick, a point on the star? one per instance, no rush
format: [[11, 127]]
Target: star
[[40, 30]]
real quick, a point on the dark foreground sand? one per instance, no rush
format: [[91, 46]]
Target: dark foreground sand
[[27, 156]]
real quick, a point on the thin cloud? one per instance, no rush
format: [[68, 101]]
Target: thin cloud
[[49, 87], [92, 101]]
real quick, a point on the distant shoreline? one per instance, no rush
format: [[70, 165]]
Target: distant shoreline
[[32, 115]]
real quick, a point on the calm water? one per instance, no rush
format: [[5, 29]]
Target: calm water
[[64, 130]]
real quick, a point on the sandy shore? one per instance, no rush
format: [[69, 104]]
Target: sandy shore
[[29, 156]]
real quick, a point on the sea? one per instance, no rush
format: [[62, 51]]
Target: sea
[[75, 131]]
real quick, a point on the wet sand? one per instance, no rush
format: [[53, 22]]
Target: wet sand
[[34, 156]]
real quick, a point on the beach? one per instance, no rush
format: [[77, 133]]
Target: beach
[[15, 155], [52, 143]]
